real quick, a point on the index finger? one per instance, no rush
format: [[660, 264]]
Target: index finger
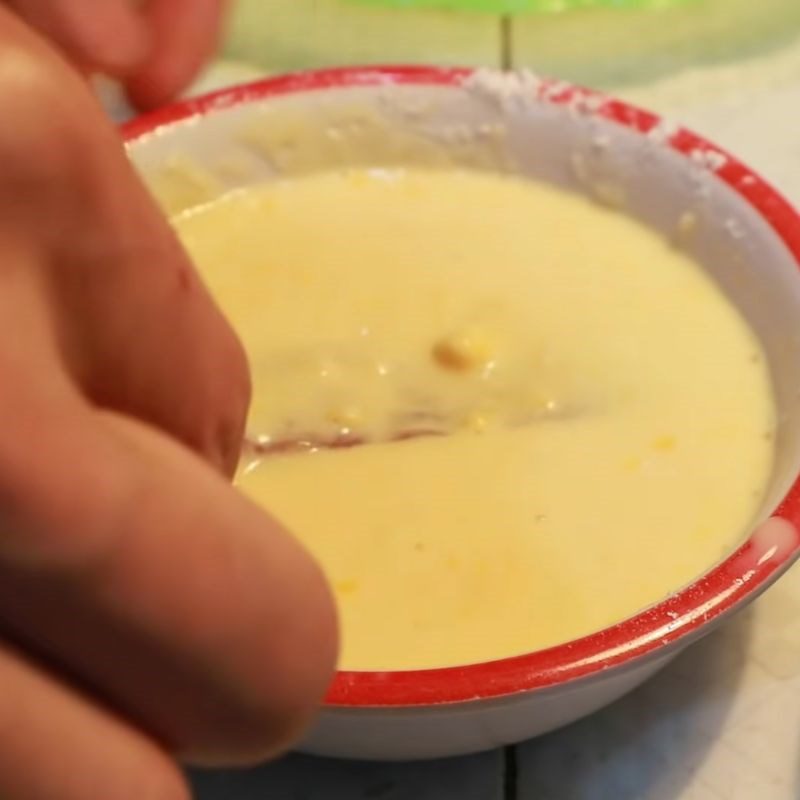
[[136, 328]]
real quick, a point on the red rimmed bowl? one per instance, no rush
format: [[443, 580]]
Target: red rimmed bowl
[[735, 226]]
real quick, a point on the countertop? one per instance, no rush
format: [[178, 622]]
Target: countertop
[[723, 721]]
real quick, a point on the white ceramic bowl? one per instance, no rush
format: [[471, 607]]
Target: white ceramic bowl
[[735, 226]]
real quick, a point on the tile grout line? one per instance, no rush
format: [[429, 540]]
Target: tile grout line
[[510, 785], [506, 42]]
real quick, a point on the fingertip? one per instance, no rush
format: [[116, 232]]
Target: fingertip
[[185, 34], [122, 53], [148, 90], [284, 700], [161, 80]]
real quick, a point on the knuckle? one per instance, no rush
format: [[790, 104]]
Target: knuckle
[[29, 95], [49, 137]]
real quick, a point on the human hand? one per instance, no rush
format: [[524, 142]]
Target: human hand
[[147, 610], [155, 47]]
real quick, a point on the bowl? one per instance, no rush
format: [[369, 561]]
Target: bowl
[[734, 225]]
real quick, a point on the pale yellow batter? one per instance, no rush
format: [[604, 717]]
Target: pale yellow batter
[[500, 416]]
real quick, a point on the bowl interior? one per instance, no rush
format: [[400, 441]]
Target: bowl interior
[[506, 128]]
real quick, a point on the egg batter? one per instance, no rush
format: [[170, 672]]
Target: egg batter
[[500, 416]]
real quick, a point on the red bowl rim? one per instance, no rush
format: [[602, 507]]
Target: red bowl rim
[[650, 633]]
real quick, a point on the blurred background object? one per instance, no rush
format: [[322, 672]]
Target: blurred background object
[[599, 42]]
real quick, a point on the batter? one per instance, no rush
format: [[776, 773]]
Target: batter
[[499, 415]]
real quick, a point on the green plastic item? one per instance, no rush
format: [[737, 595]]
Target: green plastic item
[[523, 6], [604, 46]]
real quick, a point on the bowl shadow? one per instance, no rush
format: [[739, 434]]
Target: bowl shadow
[[299, 777], [644, 747], [650, 744]]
